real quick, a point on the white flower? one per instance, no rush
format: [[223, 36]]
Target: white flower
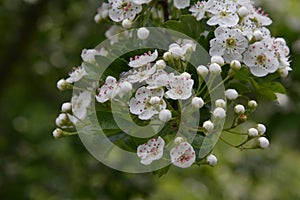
[[180, 87], [261, 129], [231, 94], [229, 43], [197, 102], [140, 2], [159, 79], [261, 59], [235, 65], [220, 103], [80, 104], [215, 68], [263, 142], [198, 10], [252, 104], [123, 9], [140, 104], [150, 151], [181, 48], [217, 59], [142, 60], [88, 55], [183, 155], [202, 71], [180, 4], [143, 33], [211, 160], [260, 17], [139, 74], [76, 75], [208, 126], [219, 113], [252, 132], [165, 115], [223, 14], [239, 109], [126, 23], [106, 92], [66, 107]]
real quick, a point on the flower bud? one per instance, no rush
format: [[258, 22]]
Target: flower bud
[[239, 109], [178, 140], [261, 129], [62, 85], [235, 65], [211, 160], [185, 75], [57, 133], [242, 118], [219, 113], [197, 102], [202, 71], [231, 94], [217, 59], [167, 56], [97, 18], [215, 68], [208, 126], [154, 100], [66, 107], [258, 35], [143, 33], [126, 23], [252, 132], [283, 72], [160, 64], [252, 104], [125, 87], [220, 103], [165, 115], [243, 11], [263, 142]]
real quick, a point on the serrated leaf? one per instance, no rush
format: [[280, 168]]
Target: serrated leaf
[[276, 87]]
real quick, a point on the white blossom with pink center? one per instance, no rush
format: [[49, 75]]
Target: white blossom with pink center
[[142, 60], [183, 155], [180, 87], [143, 104], [123, 9], [150, 151], [107, 91]]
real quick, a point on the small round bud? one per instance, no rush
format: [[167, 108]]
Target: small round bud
[[215, 68], [258, 35], [208, 126], [126, 23], [217, 59], [220, 103], [252, 104], [231, 94], [178, 140], [242, 118], [243, 11], [165, 115], [283, 73], [66, 107], [154, 100], [219, 113], [167, 56], [160, 64], [197, 102], [185, 75], [97, 18], [252, 132], [104, 14], [62, 85], [202, 71], [143, 33], [57, 133], [263, 142], [235, 65], [261, 129], [239, 109], [211, 160], [125, 87]]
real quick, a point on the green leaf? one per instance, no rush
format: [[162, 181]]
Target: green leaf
[[162, 171], [275, 87], [243, 75]]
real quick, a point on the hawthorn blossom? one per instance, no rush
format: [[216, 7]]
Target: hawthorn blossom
[[181, 48], [229, 43], [106, 92], [261, 58], [123, 9], [223, 13], [102, 12], [258, 16], [80, 104], [180, 87], [139, 74], [150, 151], [180, 4], [183, 155], [144, 105], [159, 79], [198, 10], [76, 75], [142, 60]]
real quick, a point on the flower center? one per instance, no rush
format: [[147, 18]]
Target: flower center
[[126, 6], [230, 42], [261, 59], [223, 14]]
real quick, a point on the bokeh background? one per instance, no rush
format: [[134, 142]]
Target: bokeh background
[[41, 40]]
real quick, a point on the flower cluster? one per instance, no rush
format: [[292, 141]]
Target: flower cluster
[[155, 84]]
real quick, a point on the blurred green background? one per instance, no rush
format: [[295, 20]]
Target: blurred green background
[[41, 40]]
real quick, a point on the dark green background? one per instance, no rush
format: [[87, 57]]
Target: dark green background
[[42, 41]]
